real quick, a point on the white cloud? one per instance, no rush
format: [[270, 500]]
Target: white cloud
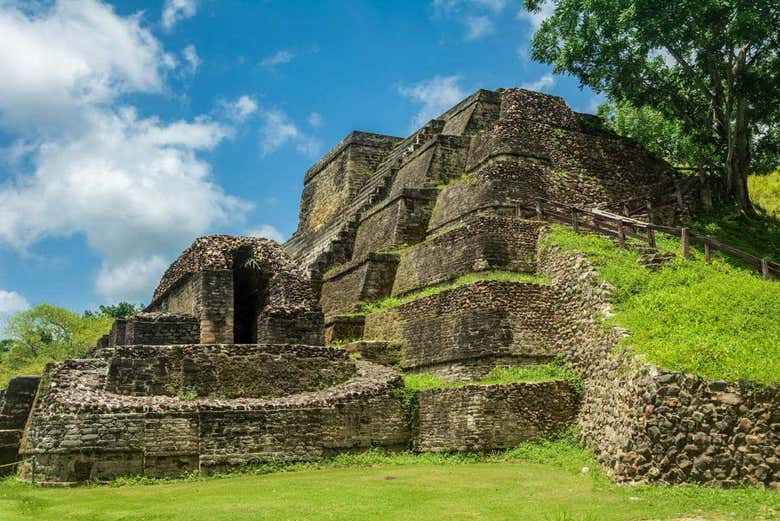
[[131, 186], [175, 11], [541, 84], [278, 130], [436, 96], [315, 119], [478, 26], [278, 58], [130, 280], [240, 108], [546, 10], [267, 231], [191, 57], [138, 189], [11, 302], [55, 61]]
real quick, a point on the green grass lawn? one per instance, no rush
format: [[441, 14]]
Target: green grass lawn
[[718, 320], [534, 482]]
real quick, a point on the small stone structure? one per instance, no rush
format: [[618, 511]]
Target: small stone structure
[[228, 365]]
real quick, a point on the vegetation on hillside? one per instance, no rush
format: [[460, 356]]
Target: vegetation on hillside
[[545, 481], [47, 333], [765, 192], [718, 320], [499, 375]]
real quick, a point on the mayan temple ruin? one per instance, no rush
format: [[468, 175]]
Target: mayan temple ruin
[[252, 351]]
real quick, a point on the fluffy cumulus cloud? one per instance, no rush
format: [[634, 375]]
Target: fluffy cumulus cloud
[[268, 232], [279, 130], [541, 84], [11, 302], [137, 188], [175, 11], [434, 95], [130, 280], [55, 62]]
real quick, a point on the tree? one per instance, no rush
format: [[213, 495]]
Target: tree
[[122, 309], [660, 135], [52, 333], [711, 64]]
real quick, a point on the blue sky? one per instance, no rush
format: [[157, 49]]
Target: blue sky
[[127, 129]]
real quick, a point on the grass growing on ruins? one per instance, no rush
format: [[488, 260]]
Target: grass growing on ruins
[[536, 481], [502, 276], [499, 375], [718, 321]]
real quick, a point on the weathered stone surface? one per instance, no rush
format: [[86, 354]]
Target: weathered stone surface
[[489, 417], [487, 321], [646, 424]]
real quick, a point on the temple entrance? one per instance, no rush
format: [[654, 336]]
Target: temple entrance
[[249, 297]]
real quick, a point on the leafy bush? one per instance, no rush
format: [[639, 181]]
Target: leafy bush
[[765, 192]]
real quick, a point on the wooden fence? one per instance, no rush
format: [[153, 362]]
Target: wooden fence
[[605, 223]]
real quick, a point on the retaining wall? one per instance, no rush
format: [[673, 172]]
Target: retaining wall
[[487, 322], [479, 244], [490, 417], [647, 424]]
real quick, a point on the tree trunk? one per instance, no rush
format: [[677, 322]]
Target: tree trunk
[[738, 160]]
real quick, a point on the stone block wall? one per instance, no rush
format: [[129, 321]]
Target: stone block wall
[[488, 322], [490, 417], [478, 112], [80, 432], [332, 183], [340, 328], [366, 280], [647, 424], [399, 221], [480, 244], [226, 371], [161, 328], [15, 403], [435, 162], [296, 326]]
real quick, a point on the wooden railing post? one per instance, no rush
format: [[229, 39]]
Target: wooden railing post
[[685, 242], [621, 235], [765, 269], [574, 221], [650, 236], [539, 212], [707, 252]]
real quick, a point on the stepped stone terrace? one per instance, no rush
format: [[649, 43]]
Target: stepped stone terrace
[[251, 351]]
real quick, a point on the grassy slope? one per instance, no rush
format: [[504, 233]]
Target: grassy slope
[[718, 320], [534, 482], [499, 375]]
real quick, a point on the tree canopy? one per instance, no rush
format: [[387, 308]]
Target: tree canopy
[[45, 333], [712, 65]]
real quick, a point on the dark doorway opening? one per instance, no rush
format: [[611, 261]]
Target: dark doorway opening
[[249, 297]]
